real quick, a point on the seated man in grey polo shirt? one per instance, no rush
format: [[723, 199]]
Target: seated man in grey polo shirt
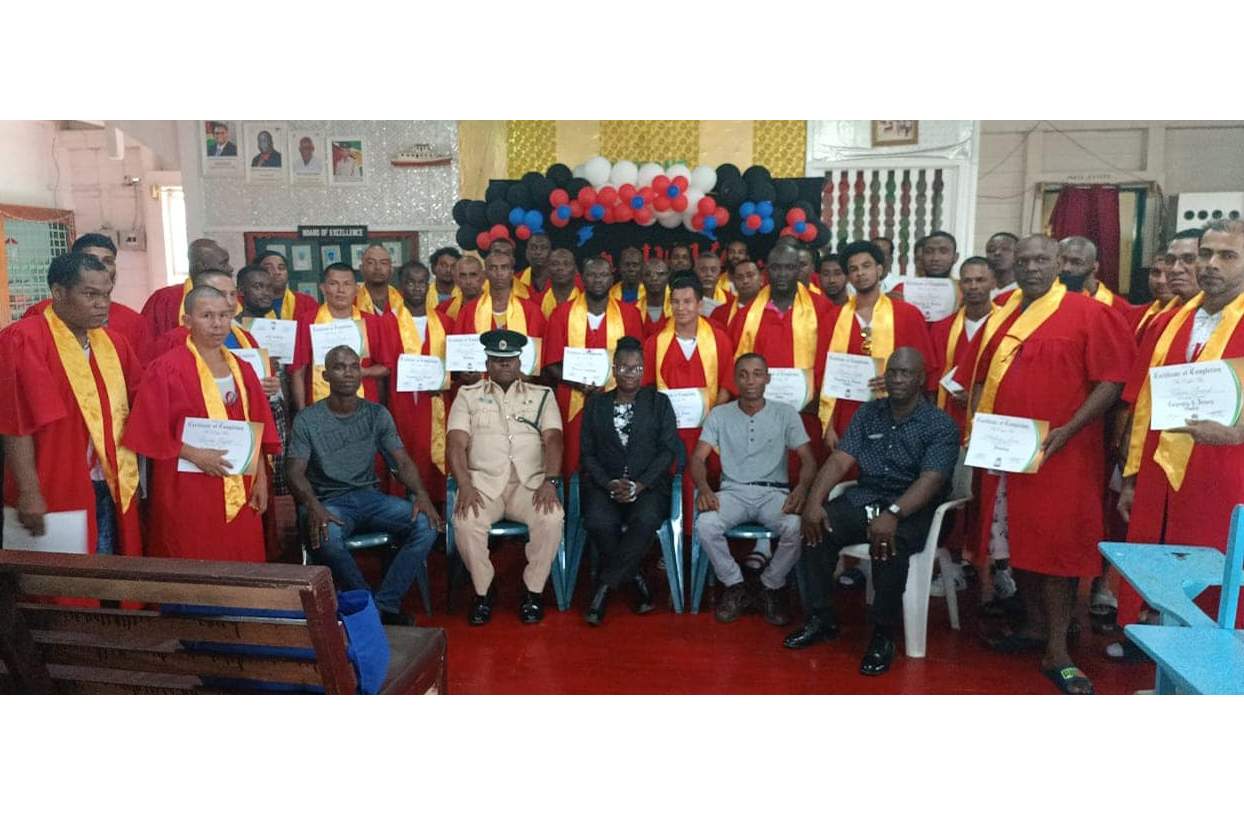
[[752, 436]]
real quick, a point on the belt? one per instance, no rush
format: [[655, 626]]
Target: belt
[[781, 485]]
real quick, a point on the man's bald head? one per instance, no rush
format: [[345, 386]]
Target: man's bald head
[[201, 294], [205, 253], [342, 353], [1044, 241], [1079, 243], [904, 375]]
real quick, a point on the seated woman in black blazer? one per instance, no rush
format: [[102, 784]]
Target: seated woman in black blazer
[[628, 443]]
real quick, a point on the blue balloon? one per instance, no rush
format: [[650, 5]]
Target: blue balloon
[[516, 216], [598, 211], [710, 223], [748, 208], [766, 225], [764, 209], [534, 220], [637, 202], [748, 231], [563, 211], [800, 227]]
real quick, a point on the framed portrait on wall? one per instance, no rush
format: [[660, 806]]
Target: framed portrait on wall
[[329, 254], [219, 149], [356, 255], [348, 161], [261, 147], [301, 260], [895, 132], [307, 157], [394, 248]]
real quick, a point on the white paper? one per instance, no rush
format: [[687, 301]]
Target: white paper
[[416, 372], [587, 366], [253, 357], [948, 382], [237, 439], [1198, 390], [690, 406], [847, 376], [936, 297], [280, 337], [791, 386], [1010, 444], [464, 352], [327, 336], [707, 306], [63, 532]]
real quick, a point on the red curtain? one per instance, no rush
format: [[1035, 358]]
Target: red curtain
[[1091, 212]]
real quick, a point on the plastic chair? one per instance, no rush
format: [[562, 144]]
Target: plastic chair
[[356, 543], [669, 534], [504, 528]]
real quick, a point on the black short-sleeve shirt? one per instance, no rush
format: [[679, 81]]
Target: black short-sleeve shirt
[[893, 453]]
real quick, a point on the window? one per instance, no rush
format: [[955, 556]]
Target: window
[[173, 211]]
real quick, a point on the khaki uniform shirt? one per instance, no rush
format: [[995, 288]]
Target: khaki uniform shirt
[[506, 430]]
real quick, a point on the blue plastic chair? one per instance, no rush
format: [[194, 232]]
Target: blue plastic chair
[[502, 529], [670, 535], [1193, 653], [356, 543]]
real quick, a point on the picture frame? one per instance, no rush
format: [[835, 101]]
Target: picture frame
[[329, 254], [301, 260], [308, 157], [348, 155], [260, 152], [394, 248], [356, 255], [895, 132], [220, 161]]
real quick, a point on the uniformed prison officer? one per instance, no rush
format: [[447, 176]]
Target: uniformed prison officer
[[505, 450]]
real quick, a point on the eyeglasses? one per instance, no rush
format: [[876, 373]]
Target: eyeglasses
[[628, 370]]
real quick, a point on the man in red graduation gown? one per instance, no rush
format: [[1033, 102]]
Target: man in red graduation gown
[[501, 305], [1159, 268], [420, 416], [654, 307], [1056, 356], [691, 352], [468, 284], [121, 318], [377, 295], [952, 336], [594, 320], [163, 308], [1077, 270], [564, 284], [65, 386], [287, 304], [379, 340], [748, 281], [1180, 486], [716, 284], [535, 278], [630, 285], [208, 515]]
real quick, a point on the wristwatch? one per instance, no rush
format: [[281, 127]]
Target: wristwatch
[[896, 510], [553, 479]]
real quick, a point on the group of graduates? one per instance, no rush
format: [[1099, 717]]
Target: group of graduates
[[88, 386]]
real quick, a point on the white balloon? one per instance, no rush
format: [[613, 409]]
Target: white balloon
[[579, 170], [703, 178], [596, 171], [679, 170], [693, 198], [646, 173], [624, 172], [669, 219]]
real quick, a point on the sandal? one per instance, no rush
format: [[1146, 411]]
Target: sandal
[[1070, 680], [1103, 603]]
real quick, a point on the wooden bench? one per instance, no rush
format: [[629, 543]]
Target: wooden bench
[[47, 647]]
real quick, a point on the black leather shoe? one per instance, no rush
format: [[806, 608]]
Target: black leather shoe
[[481, 609], [532, 610], [396, 618], [879, 655], [596, 610], [644, 604], [731, 604], [774, 604], [818, 628]]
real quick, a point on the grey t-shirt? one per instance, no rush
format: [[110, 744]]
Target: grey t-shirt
[[753, 448], [341, 452]]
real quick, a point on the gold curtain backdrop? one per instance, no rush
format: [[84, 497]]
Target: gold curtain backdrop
[[507, 149]]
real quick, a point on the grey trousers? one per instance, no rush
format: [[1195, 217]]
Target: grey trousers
[[746, 504]]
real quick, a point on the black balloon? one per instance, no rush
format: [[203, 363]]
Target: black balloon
[[727, 173], [822, 235], [496, 191], [787, 191], [559, 174], [499, 212], [518, 196], [732, 194], [756, 173], [460, 211], [528, 178], [760, 189], [574, 185], [540, 190], [466, 237], [477, 214]]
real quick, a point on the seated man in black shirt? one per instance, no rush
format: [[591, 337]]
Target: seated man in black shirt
[[331, 470], [906, 449]]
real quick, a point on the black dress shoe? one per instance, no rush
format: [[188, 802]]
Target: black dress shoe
[[818, 628], [879, 655], [596, 609], [775, 612], [731, 604], [481, 609], [644, 604], [532, 610], [396, 618]]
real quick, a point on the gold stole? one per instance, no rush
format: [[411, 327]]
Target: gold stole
[[882, 339], [320, 388], [705, 344], [722, 291], [239, 334], [549, 301], [1103, 295], [363, 300], [1034, 317], [287, 307], [185, 289], [235, 487], [803, 327], [1174, 449], [1155, 308], [642, 305], [411, 344], [576, 337], [956, 328], [434, 299], [455, 305], [121, 475], [815, 287], [515, 317]]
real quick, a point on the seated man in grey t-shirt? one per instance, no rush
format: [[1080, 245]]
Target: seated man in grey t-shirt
[[331, 468], [752, 436]]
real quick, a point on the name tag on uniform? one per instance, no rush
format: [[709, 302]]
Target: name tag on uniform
[[875, 436]]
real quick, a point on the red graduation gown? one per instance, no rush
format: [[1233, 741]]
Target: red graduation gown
[[37, 400], [939, 334], [187, 510], [465, 324], [384, 345], [1055, 514], [412, 412], [125, 321], [556, 338], [162, 311]]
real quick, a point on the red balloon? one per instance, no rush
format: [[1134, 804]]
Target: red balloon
[[499, 231], [660, 184], [753, 221], [643, 216], [697, 222], [558, 198], [607, 196], [681, 183], [522, 232], [661, 203], [626, 192], [483, 240], [622, 213], [809, 233], [587, 197], [576, 209], [608, 216], [647, 195], [794, 215], [705, 206], [558, 222], [721, 215], [679, 204], [786, 230]]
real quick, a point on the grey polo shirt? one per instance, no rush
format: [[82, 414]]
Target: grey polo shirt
[[753, 448]]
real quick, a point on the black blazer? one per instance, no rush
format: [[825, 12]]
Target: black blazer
[[654, 444]]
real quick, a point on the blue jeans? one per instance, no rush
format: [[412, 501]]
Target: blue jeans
[[105, 520], [371, 511]]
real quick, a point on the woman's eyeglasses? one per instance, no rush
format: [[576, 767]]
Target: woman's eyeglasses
[[628, 370]]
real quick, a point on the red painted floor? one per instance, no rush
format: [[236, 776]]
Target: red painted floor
[[667, 653]]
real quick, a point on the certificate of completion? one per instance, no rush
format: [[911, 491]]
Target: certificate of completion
[[421, 373], [1011, 444], [936, 297], [278, 336], [793, 386], [62, 532], [239, 440], [1197, 390], [587, 366], [847, 376], [690, 406], [257, 358], [327, 336], [464, 352]]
